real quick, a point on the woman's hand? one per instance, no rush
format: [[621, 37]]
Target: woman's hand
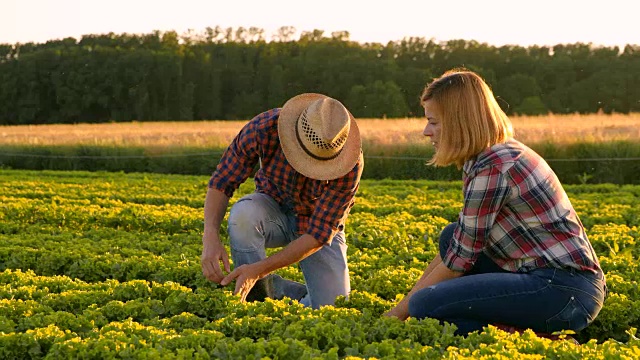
[[396, 312]]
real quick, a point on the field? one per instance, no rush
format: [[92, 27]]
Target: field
[[559, 129], [595, 148], [98, 265]]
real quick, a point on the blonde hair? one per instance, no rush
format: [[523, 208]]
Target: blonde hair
[[470, 118]]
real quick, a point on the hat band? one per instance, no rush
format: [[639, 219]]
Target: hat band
[[306, 150]]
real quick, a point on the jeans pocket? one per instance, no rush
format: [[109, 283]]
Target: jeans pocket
[[597, 280], [594, 285], [573, 316]]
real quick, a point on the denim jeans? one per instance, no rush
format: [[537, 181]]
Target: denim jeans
[[257, 222], [544, 300]]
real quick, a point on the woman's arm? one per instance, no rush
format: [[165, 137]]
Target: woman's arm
[[435, 273]]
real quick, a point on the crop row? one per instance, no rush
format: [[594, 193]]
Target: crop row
[[103, 265]]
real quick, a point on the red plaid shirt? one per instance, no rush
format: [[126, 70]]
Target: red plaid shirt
[[516, 212], [321, 206]]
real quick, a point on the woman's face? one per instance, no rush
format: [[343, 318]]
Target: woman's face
[[432, 130]]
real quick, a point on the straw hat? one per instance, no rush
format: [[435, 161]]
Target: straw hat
[[319, 136]]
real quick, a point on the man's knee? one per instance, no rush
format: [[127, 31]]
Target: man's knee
[[243, 211], [245, 218]]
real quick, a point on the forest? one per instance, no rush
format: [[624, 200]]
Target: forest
[[233, 74]]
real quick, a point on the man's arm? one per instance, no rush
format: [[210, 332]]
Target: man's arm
[[247, 275], [215, 206], [234, 168]]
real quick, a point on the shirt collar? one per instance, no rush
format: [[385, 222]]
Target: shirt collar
[[468, 165], [466, 168]]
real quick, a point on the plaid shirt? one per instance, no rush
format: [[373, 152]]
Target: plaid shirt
[[516, 212], [321, 206]]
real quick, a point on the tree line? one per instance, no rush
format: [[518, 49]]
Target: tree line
[[235, 73]]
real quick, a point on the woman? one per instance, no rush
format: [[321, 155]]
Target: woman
[[518, 255]]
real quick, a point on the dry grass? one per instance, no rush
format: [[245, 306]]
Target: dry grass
[[562, 129], [192, 133], [216, 134]]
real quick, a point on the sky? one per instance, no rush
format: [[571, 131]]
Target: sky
[[496, 22]]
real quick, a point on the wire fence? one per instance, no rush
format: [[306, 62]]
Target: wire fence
[[71, 157], [414, 158]]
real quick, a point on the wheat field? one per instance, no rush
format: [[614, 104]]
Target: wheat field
[[560, 129]]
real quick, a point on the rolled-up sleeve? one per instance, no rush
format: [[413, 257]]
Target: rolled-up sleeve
[[334, 204], [240, 158], [485, 194]]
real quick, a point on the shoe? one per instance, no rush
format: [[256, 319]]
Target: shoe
[[258, 292], [512, 329], [508, 328], [275, 287], [559, 337], [291, 289]]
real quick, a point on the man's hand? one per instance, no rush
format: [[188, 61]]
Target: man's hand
[[245, 277], [212, 253]]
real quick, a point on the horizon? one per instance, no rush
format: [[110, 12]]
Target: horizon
[[496, 22], [269, 37]]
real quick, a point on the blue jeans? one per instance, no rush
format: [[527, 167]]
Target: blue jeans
[[257, 222], [544, 300]]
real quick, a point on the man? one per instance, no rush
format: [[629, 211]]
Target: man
[[310, 158]]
